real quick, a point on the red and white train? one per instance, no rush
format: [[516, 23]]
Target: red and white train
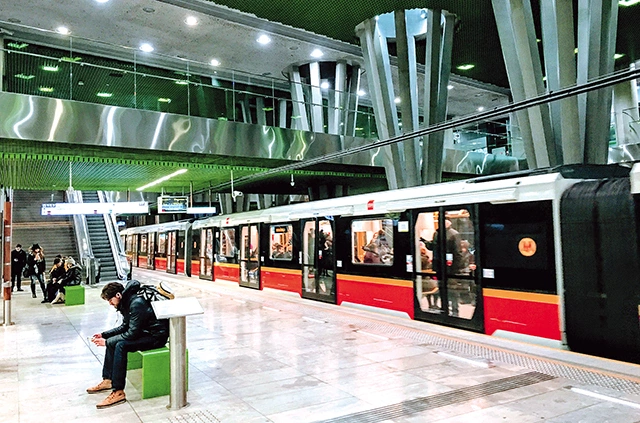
[[546, 256]]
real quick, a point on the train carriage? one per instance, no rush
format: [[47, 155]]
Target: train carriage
[[165, 247], [499, 255]]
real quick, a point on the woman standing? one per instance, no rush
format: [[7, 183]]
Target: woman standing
[[37, 267]]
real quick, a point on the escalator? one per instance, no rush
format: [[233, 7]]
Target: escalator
[[99, 240]]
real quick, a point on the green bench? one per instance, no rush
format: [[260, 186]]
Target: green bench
[[156, 371], [74, 295]]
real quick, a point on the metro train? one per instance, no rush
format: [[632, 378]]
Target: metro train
[[547, 256]]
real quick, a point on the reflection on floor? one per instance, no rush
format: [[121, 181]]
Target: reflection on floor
[[267, 357]]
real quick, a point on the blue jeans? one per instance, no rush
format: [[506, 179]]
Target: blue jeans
[[115, 358]]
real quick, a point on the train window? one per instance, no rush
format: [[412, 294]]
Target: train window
[[280, 243], [228, 242], [143, 245], [162, 245], [372, 242]]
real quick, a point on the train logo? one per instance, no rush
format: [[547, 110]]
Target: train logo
[[527, 247]]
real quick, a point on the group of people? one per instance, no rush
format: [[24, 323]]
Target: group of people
[[377, 250], [64, 272]]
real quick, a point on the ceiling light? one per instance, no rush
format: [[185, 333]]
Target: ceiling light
[[264, 39], [449, 87], [191, 21], [618, 55], [466, 67], [324, 85], [102, 1], [50, 68], [46, 89], [63, 30], [161, 180], [361, 93], [627, 3], [215, 62], [317, 53], [25, 77], [17, 46], [397, 100], [148, 9], [164, 100], [104, 95], [182, 82], [147, 48], [481, 109]]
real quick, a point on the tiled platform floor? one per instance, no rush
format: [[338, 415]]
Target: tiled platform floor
[[270, 357]]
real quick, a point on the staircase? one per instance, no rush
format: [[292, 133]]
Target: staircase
[[100, 240], [54, 234]]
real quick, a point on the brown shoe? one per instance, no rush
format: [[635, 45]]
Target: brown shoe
[[105, 385], [114, 398]]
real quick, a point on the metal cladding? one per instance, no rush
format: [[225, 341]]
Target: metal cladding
[[407, 164], [56, 120]]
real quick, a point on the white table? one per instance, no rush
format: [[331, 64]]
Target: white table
[[176, 311]]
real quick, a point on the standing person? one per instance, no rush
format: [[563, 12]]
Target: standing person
[[37, 267], [140, 331], [18, 261]]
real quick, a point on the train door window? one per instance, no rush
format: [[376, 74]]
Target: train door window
[[162, 245], [281, 239], [206, 252], [142, 251], [172, 247], [446, 283], [228, 249], [318, 267], [309, 256], [250, 256], [372, 242], [151, 245]]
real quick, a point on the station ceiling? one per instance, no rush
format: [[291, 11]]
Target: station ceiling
[[229, 36]]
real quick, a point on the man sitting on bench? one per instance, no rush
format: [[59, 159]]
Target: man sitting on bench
[[140, 331]]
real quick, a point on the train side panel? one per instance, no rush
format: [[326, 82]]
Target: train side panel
[[390, 294]]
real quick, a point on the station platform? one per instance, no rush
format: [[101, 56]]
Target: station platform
[[268, 356]]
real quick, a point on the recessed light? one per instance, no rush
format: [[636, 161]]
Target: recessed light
[[148, 9], [449, 87], [618, 56], [466, 67], [50, 68], [215, 62], [104, 95], [397, 100], [25, 77], [361, 93], [293, 48], [627, 3], [164, 100], [481, 109], [147, 48], [317, 53], [102, 1], [324, 85], [46, 89], [191, 21], [63, 30], [182, 82], [264, 39]]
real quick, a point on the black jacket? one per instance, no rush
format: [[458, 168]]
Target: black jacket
[[73, 276], [138, 318], [18, 260], [36, 267]]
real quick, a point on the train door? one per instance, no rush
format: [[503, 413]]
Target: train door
[[183, 253], [206, 253], [142, 251], [318, 264], [250, 256], [134, 249], [172, 251], [446, 274], [151, 251]]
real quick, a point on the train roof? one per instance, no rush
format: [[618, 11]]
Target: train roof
[[179, 225], [541, 184]]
